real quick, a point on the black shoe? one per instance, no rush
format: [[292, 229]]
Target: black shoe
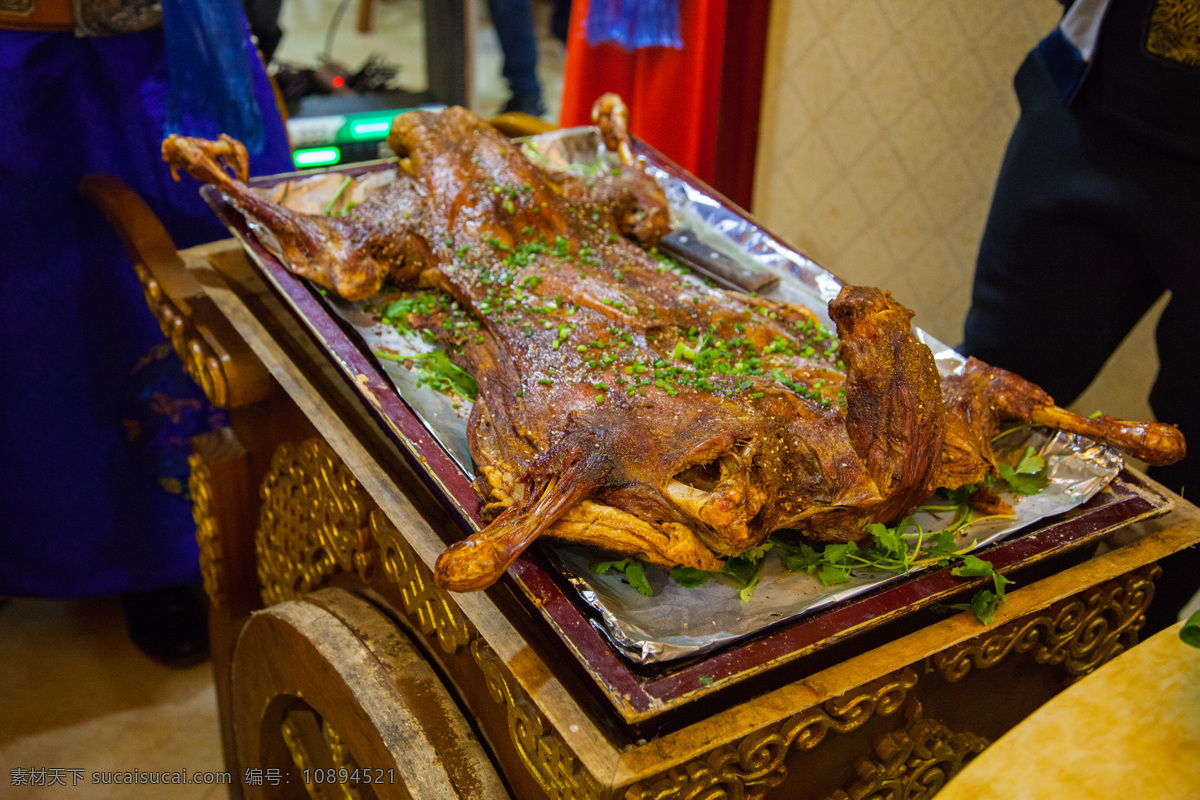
[[169, 625], [527, 104]]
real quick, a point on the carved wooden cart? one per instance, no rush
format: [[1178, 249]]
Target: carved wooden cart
[[343, 671]]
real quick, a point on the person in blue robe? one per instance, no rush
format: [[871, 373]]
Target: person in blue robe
[[95, 415]]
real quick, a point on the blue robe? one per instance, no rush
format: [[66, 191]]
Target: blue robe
[[82, 508]]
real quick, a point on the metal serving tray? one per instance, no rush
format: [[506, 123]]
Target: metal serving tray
[[649, 694]]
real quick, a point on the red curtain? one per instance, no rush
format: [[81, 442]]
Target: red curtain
[[674, 96]]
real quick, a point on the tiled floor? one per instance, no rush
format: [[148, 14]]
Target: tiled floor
[[76, 697]]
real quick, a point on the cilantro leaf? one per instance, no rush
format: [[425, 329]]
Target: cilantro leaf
[[745, 570], [828, 564], [689, 577], [973, 567], [1190, 632], [962, 495], [635, 573], [797, 557], [1031, 463], [442, 374], [1028, 476], [750, 586], [942, 545], [436, 370], [888, 539], [601, 567], [802, 559], [836, 553], [833, 574], [396, 314], [1020, 483], [757, 553], [741, 569], [983, 604]]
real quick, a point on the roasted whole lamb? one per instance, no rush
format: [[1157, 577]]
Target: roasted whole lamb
[[623, 406]]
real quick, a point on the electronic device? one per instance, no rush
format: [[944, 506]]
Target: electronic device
[[326, 139]]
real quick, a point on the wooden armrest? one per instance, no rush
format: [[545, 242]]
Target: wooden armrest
[[215, 356], [146, 240]]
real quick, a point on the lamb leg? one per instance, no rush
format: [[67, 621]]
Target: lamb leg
[[212, 161], [1156, 443], [565, 475], [345, 254], [1014, 398], [894, 412], [611, 115]]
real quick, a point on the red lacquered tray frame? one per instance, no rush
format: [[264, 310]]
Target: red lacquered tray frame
[[650, 699]]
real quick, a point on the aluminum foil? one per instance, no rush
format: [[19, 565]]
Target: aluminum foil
[[444, 415], [677, 622]]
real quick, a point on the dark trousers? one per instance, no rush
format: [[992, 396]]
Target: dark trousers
[[513, 20], [1088, 227], [263, 16]]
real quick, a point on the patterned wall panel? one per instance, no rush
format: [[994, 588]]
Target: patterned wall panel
[[884, 125]]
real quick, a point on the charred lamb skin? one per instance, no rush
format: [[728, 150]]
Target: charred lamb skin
[[624, 407]]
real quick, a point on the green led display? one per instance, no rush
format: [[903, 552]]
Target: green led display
[[371, 128], [317, 157]]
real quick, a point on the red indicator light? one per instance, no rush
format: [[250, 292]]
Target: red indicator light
[[338, 81]]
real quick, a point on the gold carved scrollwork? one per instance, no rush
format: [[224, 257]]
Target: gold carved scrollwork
[[313, 522], [207, 538], [202, 365], [914, 763], [755, 764], [1174, 31], [745, 770], [338, 751], [544, 754], [295, 744], [1081, 633], [316, 748], [851, 711], [432, 607]]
